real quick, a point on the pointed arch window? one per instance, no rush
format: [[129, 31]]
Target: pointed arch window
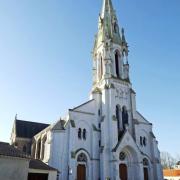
[[82, 158], [144, 141], [115, 27], [141, 140], [100, 68], [118, 117], [79, 133], [124, 117], [117, 64], [84, 134]]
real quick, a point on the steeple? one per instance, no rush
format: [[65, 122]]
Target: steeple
[[110, 53], [108, 28]]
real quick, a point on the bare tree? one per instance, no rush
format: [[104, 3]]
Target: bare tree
[[167, 160], [177, 158]]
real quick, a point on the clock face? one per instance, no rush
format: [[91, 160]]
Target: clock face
[[122, 156]]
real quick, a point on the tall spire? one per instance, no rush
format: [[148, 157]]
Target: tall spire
[[107, 7], [108, 28]]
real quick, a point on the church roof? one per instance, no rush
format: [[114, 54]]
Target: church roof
[[8, 150], [27, 129], [82, 104]]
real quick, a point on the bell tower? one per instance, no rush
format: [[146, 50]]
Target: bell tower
[[111, 85], [110, 52]]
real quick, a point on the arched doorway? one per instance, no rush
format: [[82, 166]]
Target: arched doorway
[[123, 172], [146, 171], [81, 166], [81, 172], [129, 165]]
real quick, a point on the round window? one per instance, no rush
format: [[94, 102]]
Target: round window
[[122, 156]]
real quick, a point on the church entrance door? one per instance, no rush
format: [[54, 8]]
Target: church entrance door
[[123, 173], [81, 172], [146, 173]]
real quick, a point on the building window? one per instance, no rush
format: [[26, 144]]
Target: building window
[[117, 64], [99, 112], [115, 27], [141, 140], [84, 134], [79, 133], [118, 117], [82, 158], [124, 117], [122, 156], [101, 67], [144, 141]]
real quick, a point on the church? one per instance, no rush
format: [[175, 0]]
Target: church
[[105, 138]]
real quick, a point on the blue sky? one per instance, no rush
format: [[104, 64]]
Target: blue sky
[[45, 60]]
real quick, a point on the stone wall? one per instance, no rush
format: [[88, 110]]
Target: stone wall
[[13, 168]]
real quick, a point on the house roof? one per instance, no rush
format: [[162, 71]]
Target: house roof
[[27, 129], [7, 150], [171, 172], [37, 164]]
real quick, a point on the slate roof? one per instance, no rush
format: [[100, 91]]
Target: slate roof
[[7, 150], [27, 129], [37, 164]]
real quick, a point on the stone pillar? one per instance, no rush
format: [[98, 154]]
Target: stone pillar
[[36, 149]]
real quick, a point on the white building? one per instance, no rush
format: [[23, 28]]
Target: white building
[[106, 137]]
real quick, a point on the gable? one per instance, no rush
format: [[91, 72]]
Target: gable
[[126, 140], [85, 107], [140, 118]]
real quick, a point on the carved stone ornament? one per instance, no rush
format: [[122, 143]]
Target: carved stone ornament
[[145, 162], [82, 158], [121, 94], [122, 156]]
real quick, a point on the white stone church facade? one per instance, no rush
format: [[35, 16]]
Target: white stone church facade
[[105, 138]]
